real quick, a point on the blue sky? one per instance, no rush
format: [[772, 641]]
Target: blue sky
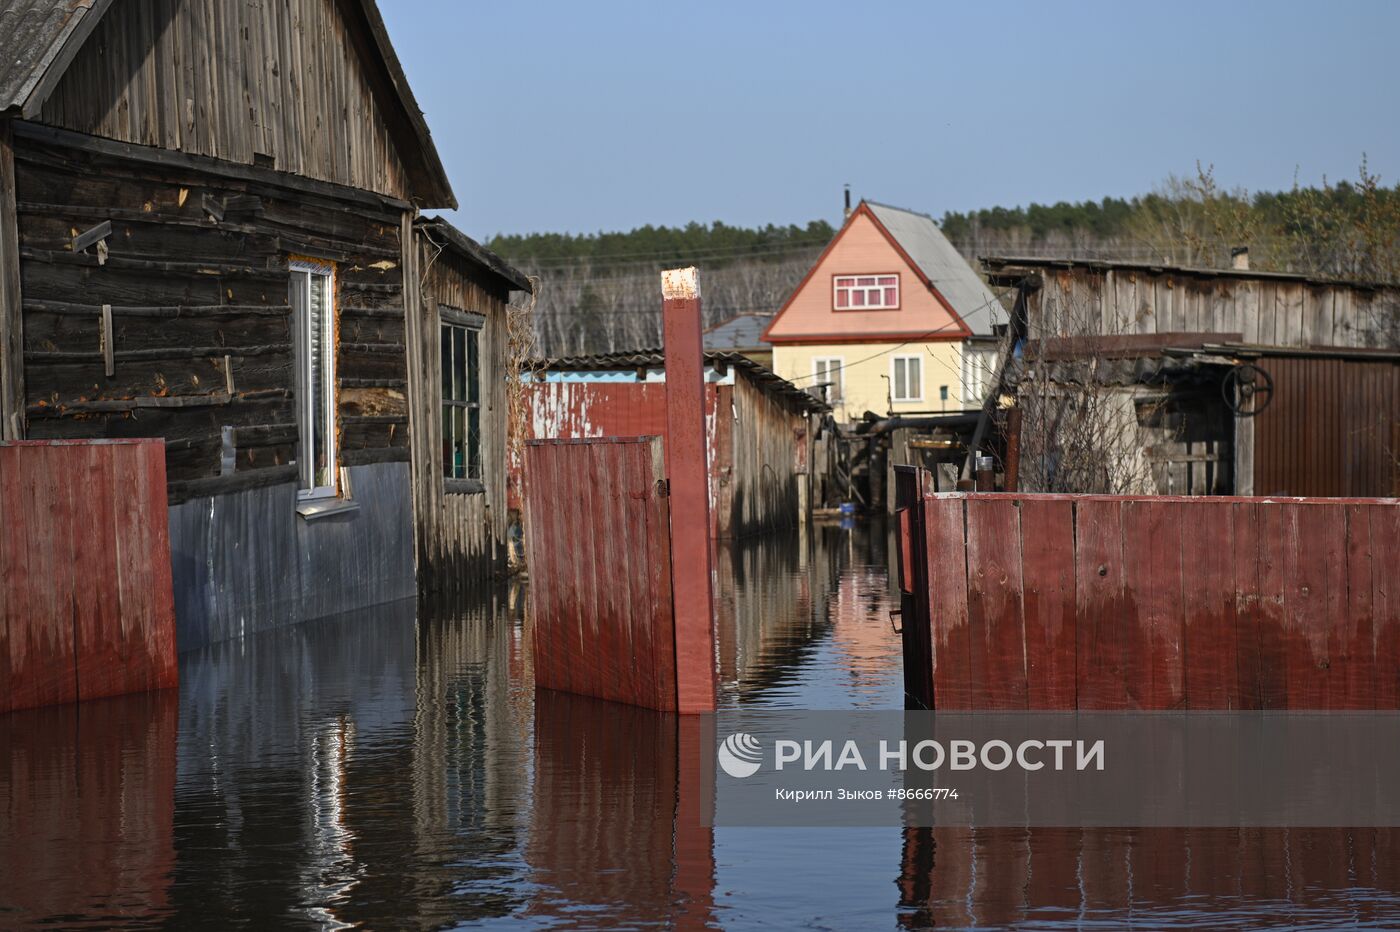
[[602, 115]]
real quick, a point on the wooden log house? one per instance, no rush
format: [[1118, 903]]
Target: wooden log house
[[209, 233]]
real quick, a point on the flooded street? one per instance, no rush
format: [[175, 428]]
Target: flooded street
[[398, 770]]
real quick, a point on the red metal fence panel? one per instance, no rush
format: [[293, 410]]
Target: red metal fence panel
[[600, 570], [85, 588], [1114, 603]]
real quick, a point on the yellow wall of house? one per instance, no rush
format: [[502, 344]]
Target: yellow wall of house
[[867, 371]]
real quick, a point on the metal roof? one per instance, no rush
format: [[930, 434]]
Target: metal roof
[[740, 332], [34, 35], [766, 379], [1006, 268], [476, 253], [919, 236]]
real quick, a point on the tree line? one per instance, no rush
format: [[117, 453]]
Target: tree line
[[600, 292]]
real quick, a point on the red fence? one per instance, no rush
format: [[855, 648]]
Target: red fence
[[1109, 603], [85, 591], [582, 410], [600, 570]]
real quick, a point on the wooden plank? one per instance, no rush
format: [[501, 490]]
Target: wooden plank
[[1209, 596], [1153, 611], [663, 596], [1277, 539], [1244, 558], [1100, 661], [11, 302], [39, 559], [1385, 603], [102, 642], [995, 622], [1314, 599], [956, 681], [1048, 597], [1353, 644]]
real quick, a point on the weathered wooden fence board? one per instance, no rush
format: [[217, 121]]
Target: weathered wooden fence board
[[600, 568], [1115, 603], [85, 587]]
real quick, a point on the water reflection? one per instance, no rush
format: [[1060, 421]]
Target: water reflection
[[87, 811], [399, 770]]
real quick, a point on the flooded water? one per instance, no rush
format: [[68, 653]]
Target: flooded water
[[398, 770]]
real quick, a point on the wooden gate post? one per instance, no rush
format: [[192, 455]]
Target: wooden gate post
[[686, 474]]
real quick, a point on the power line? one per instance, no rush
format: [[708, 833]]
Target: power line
[[995, 299]]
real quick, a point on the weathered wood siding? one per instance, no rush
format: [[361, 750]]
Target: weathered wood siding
[[1275, 312], [460, 535], [234, 79], [196, 303], [768, 450]]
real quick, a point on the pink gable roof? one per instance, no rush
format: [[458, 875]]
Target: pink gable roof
[[864, 247]]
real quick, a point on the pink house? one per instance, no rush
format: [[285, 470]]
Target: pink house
[[889, 319]]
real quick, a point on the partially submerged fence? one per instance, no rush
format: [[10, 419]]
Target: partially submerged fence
[[85, 596], [600, 570], [1107, 603]]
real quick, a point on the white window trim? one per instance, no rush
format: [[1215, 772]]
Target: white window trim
[[894, 399], [326, 270], [882, 306], [841, 377]]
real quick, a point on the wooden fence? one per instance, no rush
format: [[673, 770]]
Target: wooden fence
[[85, 590], [1111, 603], [600, 570]]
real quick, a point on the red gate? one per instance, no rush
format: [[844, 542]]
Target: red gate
[[600, 569]]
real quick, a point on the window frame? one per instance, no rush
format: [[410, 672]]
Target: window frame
[[840, 381], [837, 288], [316, 268], [452, 317], [907, 398], [979, 367]]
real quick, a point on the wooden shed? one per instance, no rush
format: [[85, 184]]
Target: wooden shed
[[760, 427], [207, 235], [459, 325], [1137, 379]]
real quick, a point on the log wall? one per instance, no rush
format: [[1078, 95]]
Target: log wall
[[195, 277]]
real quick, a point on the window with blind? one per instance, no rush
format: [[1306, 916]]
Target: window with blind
[[906, 378], [865, 292], [461, 399], [312, 296]]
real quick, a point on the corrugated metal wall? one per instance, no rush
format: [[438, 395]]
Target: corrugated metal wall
[[1332, 429], [246, 561]]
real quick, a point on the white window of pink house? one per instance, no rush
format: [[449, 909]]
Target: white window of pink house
[[865, 292]]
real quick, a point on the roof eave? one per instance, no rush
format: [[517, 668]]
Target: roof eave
[[480, 255]]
